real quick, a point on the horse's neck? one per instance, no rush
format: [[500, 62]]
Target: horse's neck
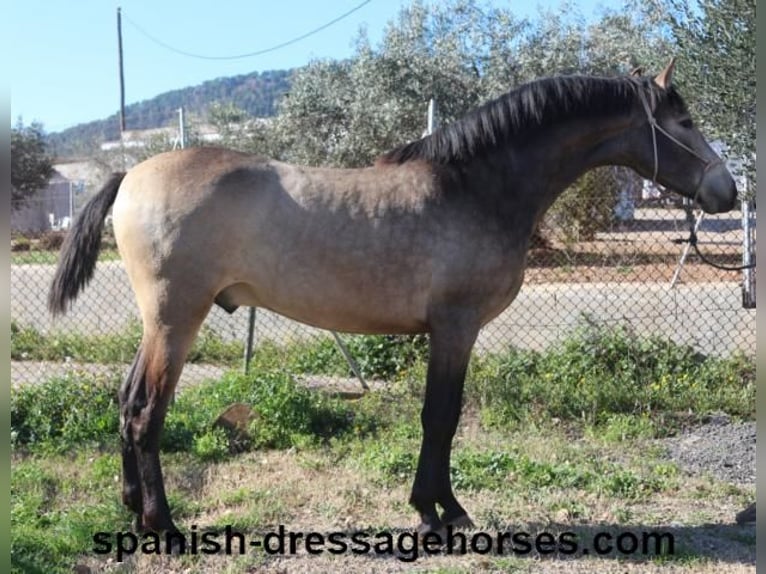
[[539, 175]]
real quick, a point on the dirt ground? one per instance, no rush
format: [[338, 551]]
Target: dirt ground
[[336, 499]]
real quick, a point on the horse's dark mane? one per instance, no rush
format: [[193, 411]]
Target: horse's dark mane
[[524, 110]]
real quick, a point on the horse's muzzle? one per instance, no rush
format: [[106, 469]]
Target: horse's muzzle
[[717, 192]]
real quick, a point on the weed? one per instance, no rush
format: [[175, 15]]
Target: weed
[[620, 427], [287, 414], [212, 445], [64, 412], [612, 385], [27, 343], [388, 357], [609, 377], [321, 357], [209, 347]]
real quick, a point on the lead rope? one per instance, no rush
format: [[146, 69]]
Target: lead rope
[[692, 240]]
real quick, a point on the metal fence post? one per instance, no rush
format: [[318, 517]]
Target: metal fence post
[[748, 243], [350, 360], [250, 338]]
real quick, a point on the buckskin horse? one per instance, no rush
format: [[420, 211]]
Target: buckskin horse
[[432, 238]]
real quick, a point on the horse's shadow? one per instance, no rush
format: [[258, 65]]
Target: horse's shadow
[[641, 543], [728, 543]]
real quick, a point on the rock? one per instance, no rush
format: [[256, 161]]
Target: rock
[[235, 420]]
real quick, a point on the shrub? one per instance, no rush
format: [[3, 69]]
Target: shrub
[[21, 244], [320, 358], [51, 240], [65, 411], [600, 372], [388, 356], [586, 207]]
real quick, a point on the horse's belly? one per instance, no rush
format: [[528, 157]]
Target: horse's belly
[[359, 305]]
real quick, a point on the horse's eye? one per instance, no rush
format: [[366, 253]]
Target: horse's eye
[[687, 123]]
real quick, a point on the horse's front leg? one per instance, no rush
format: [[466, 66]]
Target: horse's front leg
[[450, 350]]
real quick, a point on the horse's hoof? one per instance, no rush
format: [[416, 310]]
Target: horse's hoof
[[176, 545], [747, 515], [459, 522], [138, 524], [426, 528]]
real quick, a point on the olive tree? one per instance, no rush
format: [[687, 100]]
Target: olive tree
[[31, 166], [716, 43]]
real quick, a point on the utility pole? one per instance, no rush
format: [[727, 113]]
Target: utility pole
[[122, 74]]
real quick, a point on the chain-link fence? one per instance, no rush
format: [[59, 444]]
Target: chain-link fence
[[607, 251]]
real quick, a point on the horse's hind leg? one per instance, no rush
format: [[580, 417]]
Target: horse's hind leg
[[131, 484], [144, 400]]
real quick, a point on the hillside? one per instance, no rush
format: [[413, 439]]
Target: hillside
[[256, 93]]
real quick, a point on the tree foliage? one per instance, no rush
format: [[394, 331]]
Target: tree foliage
[[346, 113], [461, 53], [31, 167], [716, 43]]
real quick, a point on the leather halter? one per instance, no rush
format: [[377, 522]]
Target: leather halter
[[658, 128], [708, 164]]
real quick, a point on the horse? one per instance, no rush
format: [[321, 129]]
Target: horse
[[431, 238]]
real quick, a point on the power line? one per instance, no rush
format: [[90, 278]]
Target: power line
[[250, 54]]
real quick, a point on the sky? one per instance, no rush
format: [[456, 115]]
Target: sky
[[64, 64]]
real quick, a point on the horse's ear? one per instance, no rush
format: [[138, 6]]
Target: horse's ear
[[639, 71], [665, 77]]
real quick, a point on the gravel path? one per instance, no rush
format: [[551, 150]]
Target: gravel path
[[720, 447], [29, 372]]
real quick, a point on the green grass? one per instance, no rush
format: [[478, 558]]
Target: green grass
[[392, 457], [286, 415], [382, 357], [617, 386], [71, 412], [386, 357], [606, 386], [29, 344], [65, 413], [48, 530], [41, 257]]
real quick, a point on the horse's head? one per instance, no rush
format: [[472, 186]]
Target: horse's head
[[673, 152]]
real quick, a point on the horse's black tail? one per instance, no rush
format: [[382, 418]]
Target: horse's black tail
[[79, 252]]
